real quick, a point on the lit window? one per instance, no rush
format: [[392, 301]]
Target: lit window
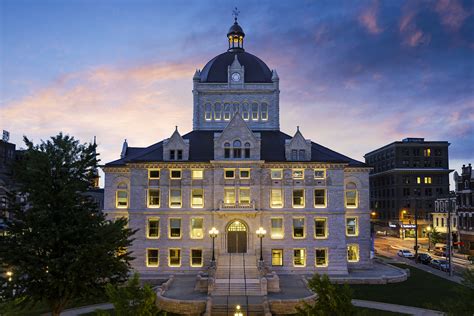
[[175, 228], [244, 173], [351, 195], [121, 196], [320, 228], [299, 257], [276, 231], [277, 257], [217, 111], [320, 173], [227, 111], [298, 228], [244, 196], [298, 198], [321, 257], [418, 180], [208, 112], [153, 174], [175, 198], [237, 149], [353, 253], [276, 198], [298, 174], [427, 180], [245, 111], [197, 230], [153, 198], [264, 112], [229, 195], [174, 257], [175, 174], [229, 173], [226, 150], [320, 198], [197, 198], [254, 112], [152, 257], [153, 228], [196, 258], [277, 174], [197, 174], [427, 152], [352, 226]]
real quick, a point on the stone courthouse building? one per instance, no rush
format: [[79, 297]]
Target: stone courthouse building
[[236, 172]]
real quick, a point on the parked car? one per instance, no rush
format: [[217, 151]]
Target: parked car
[[440, 250], [442, 265], [405, 253], [424, 258]]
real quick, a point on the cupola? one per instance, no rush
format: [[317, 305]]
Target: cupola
[[236, 35]]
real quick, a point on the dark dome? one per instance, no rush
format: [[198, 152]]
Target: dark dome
[[256, 71], [236, 29]]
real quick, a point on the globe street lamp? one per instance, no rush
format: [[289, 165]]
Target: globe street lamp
[[9, 275], [237, 311], [260, 234], [213, 234]]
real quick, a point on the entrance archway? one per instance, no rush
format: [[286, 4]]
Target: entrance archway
[[237, 237]]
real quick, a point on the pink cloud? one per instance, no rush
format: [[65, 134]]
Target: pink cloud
[[411, 34], [452, 13], [368, 19]]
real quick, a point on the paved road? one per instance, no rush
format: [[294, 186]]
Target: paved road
[[410, 310]]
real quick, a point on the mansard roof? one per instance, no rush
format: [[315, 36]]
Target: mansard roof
[[201, 149]]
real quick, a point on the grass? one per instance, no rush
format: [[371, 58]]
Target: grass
[[422, 289]]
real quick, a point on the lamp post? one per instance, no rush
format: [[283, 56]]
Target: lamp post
[[237, 311], [213, 234], [428, 229], [9, 275], [260, 234], [404, 212]]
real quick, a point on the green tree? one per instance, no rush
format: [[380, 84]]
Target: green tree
[[436, 237], [131, 299], [332, 299], [463, 303], [59, 245]]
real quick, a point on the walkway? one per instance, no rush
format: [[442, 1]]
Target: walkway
[[396, 308], [85, 309]]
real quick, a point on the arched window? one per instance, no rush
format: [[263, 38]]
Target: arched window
[[237, 149], [245, 111], [247, 150], [226, 150], [254, 111], [351, 195], [264, 112], [208, 112], [217, 111], [227, 111], [121, 195]]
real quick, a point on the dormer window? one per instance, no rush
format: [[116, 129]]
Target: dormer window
[[247, 150], [176, 154], [302, 154], [179, 154], [226, 150], [172, 155], [237, 149], [294, 154]]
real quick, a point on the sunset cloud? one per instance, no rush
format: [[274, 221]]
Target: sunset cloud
[[368, 19]]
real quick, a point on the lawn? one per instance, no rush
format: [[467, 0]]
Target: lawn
[[422, 289]]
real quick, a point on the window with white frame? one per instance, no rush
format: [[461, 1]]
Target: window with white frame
[[276, 228], [320, 198], [227, 112], [175, 173], [196, 258], [244, 173], [197, 174], [298, 198], [197, 228], [175, 198], [320, 227], [229, 173], [353, 253], [264, 112], [351, 195], [277, 257], [174, 259], [152, 257], [298, 228], [217, 111], [244, 196], [276, 198], [245, 111], [321, 257], [276, 174], [254, 111], [153, 200], [208, 112], [352, 228], [299, 257], [121, 195], [320, 173], [229, 195], [153, 228], [175, 228], [297, 174], [197, 198], [153, 174]]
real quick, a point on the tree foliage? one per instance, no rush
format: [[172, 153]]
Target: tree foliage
[[332, 299], [463, 303], [59, 245], [132, 299], [437, 237]]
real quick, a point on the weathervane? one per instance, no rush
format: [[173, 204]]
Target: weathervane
[[235, 13]]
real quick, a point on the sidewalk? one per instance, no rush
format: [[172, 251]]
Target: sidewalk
[[396, 308], [85, 309]]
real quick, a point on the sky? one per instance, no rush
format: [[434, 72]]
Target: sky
[[354, 75]]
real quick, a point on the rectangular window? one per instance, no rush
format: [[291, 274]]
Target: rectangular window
[[175, 228], [247, 152], [227, 111], [175, 257], [197, 174], [277, 257], [245, 112], [153, 228], [294, 154], [418, 180], [427, 180], [352, 228], [299, 257], [229, 195], [276, 198], [298, 228], [302, 154], [298, 174], [320, 228], [276, 231], [353, 253], [179, 154], [264, 112], [229, 173], [321, 257], [122, 199], [197, 198], [175, 198], [152, 257], [217, 112], [237, 152], [427, 152], [254, 112], [153, 198], [277, 174], [153, 174], [320, 173], [196, 258], [298, 198], [244, 195], [175, 173], [244, 173], [172, 155], [320, 198], [197, 228], [226, 152], [351, 198]]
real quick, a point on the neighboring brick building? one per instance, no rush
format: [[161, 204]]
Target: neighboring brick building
[[8, 155], [465, 206], [236, 171], [407, 174]]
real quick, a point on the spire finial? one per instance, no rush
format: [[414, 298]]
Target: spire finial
[[298, 128], [235, 13], [176, 128], [94, 140]]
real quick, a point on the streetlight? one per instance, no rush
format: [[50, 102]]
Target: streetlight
[[237, 311], [9, 275], [429, 237], [260, 234], [213, 234], [404, 212]]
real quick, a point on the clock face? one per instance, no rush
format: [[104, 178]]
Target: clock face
[[235, 76]]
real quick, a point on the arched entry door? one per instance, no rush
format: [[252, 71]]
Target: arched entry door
[[236, 237]]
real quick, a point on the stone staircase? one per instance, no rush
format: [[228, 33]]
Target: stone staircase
[[226, 306]]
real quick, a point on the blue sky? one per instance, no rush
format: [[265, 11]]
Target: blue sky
[[355, 75]]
